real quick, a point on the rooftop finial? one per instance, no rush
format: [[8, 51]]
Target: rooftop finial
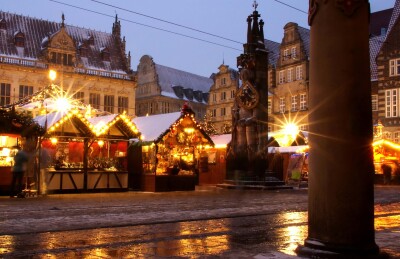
[[255, 5], [62, 18]]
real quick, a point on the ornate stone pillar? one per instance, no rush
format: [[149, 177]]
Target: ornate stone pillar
[[341, 194]]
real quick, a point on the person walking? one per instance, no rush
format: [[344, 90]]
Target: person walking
[[18, 171]]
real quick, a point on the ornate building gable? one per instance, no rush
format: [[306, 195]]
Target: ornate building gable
[[295, 45]]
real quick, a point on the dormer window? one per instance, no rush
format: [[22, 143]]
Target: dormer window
[[82, 50], [3, 24], [90, 40], [105, 54], [61, 59], [19, 39]]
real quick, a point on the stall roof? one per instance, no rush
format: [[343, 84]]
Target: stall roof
[[291, 149], [153, 126], [72, 122], [221, 140]]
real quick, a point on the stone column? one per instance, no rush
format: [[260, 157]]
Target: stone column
[[341, 194]]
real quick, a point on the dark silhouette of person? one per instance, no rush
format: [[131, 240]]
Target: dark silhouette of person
[[18, 171], [387, 172]]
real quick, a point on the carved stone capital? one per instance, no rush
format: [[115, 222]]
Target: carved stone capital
[[347, 6]]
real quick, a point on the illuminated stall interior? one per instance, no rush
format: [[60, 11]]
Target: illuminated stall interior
[[14, 128], [171, 144]]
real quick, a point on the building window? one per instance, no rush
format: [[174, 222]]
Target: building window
[[285, 54], [214, 97], [223, 96], [303, 127], [303, 102], [391, 103], [94, 100], [61, 59], [223, 81], [80, 96], [223, 111], [394, 68], [294, 103], [294, 53], [213, 113], [374, 99], [269, 106], [122, 104], [282, 105], [232, 94], [289, 74], [5, 94], [25, 90], [396, 137], [281, 77], [299, 72]]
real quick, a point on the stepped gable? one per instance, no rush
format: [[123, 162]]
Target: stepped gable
[[38, 32]]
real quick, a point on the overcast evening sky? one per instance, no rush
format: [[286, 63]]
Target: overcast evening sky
[[225, 18]]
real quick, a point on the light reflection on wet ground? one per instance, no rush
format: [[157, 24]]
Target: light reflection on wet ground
[[205, 238], [226, 225]]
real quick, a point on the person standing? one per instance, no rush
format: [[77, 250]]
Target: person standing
[[18, 171], [387, 172]]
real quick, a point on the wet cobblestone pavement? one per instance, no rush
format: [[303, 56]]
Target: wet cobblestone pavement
[[202, 224]]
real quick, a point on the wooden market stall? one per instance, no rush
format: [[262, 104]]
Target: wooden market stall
[[212, 164], [171, 147], [15, 127], [86, 154], [82, 149]]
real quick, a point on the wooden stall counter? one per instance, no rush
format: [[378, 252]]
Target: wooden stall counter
[[168, 183], [73, 181], [5, 180]]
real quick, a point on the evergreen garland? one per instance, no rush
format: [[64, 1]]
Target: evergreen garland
[[22, 123]]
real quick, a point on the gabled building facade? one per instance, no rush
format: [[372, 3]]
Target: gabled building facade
[[387, 78], [221, 98], [92, 66], [290, 89], [162, 89]]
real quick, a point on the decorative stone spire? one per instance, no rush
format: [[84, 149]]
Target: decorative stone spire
[[116, 29], [62, 20]]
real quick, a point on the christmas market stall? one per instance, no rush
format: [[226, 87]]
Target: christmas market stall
[[83, 149], [171, 147], [15, 128], [212, 164]]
